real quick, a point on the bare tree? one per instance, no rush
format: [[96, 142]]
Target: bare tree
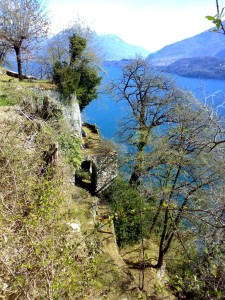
[[23, 24], [57, 48], [185, 167], [3, 51], [178, 149], [151, 98]]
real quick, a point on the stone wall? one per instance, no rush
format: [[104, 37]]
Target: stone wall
[[101, 158], [103, 170], [103, 166], [107, 170]]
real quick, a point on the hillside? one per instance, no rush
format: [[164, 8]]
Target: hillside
[[198, 67], [116, 49], [201, 45], [58, 238]]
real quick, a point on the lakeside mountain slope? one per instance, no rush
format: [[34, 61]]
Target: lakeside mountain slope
[[201, 45], [115, 48], [198, 67]]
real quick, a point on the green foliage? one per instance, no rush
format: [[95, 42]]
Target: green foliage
[[6, 101], [87, 88], [66, 79], [217, 19], [129, 209], [71, 147], [77, 46], [42, 257], [77, 76], [198, 278]]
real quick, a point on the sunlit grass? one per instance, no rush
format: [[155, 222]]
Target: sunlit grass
[[13, 91]]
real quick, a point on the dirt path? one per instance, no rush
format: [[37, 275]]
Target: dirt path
[[129, 287]]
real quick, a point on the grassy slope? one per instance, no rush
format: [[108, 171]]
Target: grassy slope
[[95, 269]]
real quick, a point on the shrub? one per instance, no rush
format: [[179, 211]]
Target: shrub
[[128, 209], [77, 76]]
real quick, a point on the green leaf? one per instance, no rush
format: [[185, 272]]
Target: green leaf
[[210, 18], [217, 22]]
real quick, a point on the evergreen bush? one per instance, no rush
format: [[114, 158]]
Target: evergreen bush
[[78, 76], [129, 210]]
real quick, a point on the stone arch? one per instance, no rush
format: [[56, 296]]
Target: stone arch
[[88, 178]]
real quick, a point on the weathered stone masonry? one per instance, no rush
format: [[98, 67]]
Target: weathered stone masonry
[[102, 164], [103, 169]]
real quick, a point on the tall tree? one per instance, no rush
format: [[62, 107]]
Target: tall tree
[[151, 98], [184, 166], [23, 24], [77, 75], [58, 48], [179, 149]]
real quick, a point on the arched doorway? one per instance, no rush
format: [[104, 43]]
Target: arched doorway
[[86, 177]]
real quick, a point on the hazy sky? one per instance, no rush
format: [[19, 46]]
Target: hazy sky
[[151, 24]]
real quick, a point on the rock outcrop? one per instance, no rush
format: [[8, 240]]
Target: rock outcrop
[[73, 115], [71, 112]]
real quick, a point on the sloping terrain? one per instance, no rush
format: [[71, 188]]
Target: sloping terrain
[[204, 44], [198, 67], [57, 240]]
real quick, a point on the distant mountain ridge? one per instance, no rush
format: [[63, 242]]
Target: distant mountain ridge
[[201, 45], [114, 48], [110, 46]]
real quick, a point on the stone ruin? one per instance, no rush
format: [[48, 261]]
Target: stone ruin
[[100, 159]]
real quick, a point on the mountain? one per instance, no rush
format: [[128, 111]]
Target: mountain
[[114, 48], [204, 44], [198, 67], [110, 46], [221, 54]]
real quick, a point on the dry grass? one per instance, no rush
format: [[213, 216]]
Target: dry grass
[[94, 145], [153, 286], [92, 141], [110, 277], [12, 91]]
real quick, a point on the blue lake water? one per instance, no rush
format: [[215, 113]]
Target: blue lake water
[[106, 113]]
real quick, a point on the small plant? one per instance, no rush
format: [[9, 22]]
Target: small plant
[[71, 148], [106, 147], [43, 107]]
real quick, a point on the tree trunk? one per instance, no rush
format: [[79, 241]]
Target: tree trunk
[[160, 260], [19, 62], [138, 168], [135, 177]]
